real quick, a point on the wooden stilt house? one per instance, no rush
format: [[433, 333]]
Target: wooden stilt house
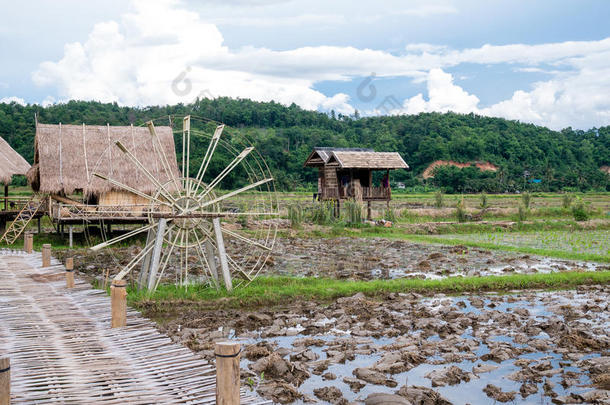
[[11, 163], [347, 173]]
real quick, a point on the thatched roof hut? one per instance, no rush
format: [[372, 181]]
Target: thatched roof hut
[[345, 173], [66, 156], [11, 162]]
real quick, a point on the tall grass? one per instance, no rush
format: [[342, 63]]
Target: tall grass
[[460, 211], [484, 202], [566, 200], [323, 213], [526, 199], [438, 199], [352, 213], [295, 214]]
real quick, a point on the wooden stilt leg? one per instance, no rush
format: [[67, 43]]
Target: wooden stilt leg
[[118, 296], [368, 210]]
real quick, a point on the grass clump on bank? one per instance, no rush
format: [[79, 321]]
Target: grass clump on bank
[[280, 290]]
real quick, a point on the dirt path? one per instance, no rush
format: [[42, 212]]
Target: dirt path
[[62, 348]]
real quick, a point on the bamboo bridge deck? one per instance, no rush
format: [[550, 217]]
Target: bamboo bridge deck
[[63, 350]]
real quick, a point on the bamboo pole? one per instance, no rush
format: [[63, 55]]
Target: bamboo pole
[[5, 381], [69, 272], [46, 255], [118, 296], [227, 373]]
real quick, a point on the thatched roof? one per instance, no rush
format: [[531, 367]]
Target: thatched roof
[[367, 160], [11, 162], [320, 155], [66, 156]]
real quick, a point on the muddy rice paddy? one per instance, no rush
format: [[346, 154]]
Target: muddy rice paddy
[[522, 347]]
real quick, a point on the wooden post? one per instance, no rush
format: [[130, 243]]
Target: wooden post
[[227, 373], [6, 197], [69, 272], [39, 229], [70, 235], [368, 210], [5, 381], [46, 255], [222, 254], [28, 242], [118, 296]]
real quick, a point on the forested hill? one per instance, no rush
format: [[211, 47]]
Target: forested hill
[[286, 135]]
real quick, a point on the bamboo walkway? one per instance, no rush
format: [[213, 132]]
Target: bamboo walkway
[[63, 350]]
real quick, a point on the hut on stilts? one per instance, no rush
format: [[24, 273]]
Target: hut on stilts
[[347, 173], [11, 164], [72, 165]]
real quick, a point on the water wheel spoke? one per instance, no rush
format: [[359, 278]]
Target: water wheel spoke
[[208, 154], [122, 237]]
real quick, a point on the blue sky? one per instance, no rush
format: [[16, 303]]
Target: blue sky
[[546, 62]]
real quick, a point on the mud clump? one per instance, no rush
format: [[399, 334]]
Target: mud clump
[[330, 394], [385, 399], [496, 393], [278, 368], [280, 392], [422, 396], [374, 377], [449, 376]]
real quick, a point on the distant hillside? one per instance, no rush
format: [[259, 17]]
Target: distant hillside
[[285, 136]]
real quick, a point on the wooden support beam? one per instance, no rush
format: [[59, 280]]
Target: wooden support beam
[[5, 381], [211, 257], [156, 254], [69, 272], [71, 236], [145, 267], [368, 210], [46, 255], [222, 254], [118, 296], [227, 372]]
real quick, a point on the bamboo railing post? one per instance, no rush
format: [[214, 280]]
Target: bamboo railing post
[[46, 255], [227, 373], [5, 381], [118, 296], [69, 272]]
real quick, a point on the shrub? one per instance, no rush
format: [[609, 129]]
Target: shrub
[[323, 213], [295, 214], [579, 211], [566, 200], [527, 199], [484, 203], [438, 199]]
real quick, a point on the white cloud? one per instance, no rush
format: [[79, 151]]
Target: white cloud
[[443, 96], [162, 53], [12, 99]]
